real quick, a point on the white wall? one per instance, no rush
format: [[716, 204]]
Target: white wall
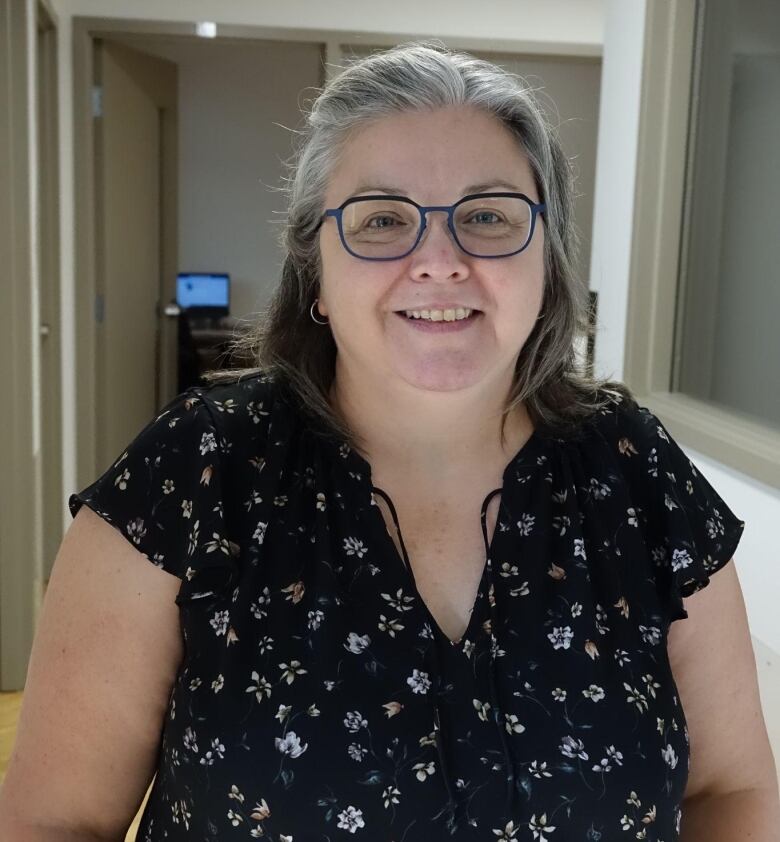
[[234, 100], [577, 24]]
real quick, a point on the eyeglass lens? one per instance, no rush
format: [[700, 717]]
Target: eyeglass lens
[[487, 227]]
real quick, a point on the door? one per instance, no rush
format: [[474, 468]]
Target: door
[[49, 327], [135, 105]]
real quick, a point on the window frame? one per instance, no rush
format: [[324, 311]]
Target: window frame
[[656, 285]]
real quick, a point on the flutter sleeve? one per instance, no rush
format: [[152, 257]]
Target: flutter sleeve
[[164, 496], [691, 531]]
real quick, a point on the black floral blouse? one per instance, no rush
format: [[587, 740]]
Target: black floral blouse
[[318, 700]]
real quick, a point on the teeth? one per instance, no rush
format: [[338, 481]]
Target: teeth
[[440, 315]]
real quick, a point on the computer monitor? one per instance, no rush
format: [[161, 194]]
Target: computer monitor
[[204, 293]]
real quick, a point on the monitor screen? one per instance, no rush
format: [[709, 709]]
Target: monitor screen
[[207, 290]]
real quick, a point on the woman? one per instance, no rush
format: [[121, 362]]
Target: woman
[[335, 674]]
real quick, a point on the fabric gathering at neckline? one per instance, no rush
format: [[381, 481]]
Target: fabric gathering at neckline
[[526, 457]]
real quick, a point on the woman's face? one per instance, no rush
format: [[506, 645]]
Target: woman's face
[[434, 158]]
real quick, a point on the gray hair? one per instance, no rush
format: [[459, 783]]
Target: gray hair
[[288, 344]]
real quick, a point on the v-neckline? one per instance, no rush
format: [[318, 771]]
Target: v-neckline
[[405, 564]]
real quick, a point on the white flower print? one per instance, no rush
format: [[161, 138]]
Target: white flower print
[[218, 683], [652, 461], [357, 643], [219, 543], [669, 756], [136, 530], [526, 524], [559, 695], [235, 818], [216, 749], [283, 712], [354, 721], [356, 751], [259, 533], [621, 656], [636, 697], [219, 622], [190, 740], [576, 609], [207, 443], [419, 681], [681, 559], [512, 724], [258, 608], [633, 520], [121, 480], [650, 634], [423, 770], [651, 685], [561, 523], [540, 828], [389, 796], [351, 819], [390, 626], [235, 792], [561, 637], [259, 686], [255, 411], [399, 602], [354, 547], [193, 537], [228, 406], [290, 745], [482, 709], [186, 509], [539, 770], [509, 832], [179, 812], [573, 748], [168, 487], [508, 569], [599, 489], [669, 502], [289, 672], [315, 619], [594, 693], [523, 590]]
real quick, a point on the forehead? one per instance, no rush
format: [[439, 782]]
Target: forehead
[[430, 155]]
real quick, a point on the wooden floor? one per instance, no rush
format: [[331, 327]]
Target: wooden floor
[[767, 664]]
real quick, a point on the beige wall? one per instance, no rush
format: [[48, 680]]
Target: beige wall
[[234, 100]]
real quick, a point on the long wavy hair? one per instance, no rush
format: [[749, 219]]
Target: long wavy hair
[[284, 341]]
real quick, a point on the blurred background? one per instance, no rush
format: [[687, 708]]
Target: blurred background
[[142, 150]]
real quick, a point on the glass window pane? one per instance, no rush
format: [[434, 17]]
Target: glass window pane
[[727, 349]]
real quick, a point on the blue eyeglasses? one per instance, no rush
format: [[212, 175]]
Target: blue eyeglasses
[[390, 227]]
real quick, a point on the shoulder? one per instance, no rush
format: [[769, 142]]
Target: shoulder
[[248, 408]]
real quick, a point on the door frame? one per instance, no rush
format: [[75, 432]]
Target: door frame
[[21, 501]]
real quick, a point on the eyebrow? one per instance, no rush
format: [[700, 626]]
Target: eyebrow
[[471, 188]]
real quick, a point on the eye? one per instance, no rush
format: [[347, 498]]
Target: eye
[[382, 221], [484, 217]]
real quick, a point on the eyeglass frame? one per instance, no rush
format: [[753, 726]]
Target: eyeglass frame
[[338, 213]]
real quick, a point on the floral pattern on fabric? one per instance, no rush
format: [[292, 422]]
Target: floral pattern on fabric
[[317, 699]]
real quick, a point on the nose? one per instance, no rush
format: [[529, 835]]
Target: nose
[[437, 253]]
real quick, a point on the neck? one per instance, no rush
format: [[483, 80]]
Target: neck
[[427, 437]]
